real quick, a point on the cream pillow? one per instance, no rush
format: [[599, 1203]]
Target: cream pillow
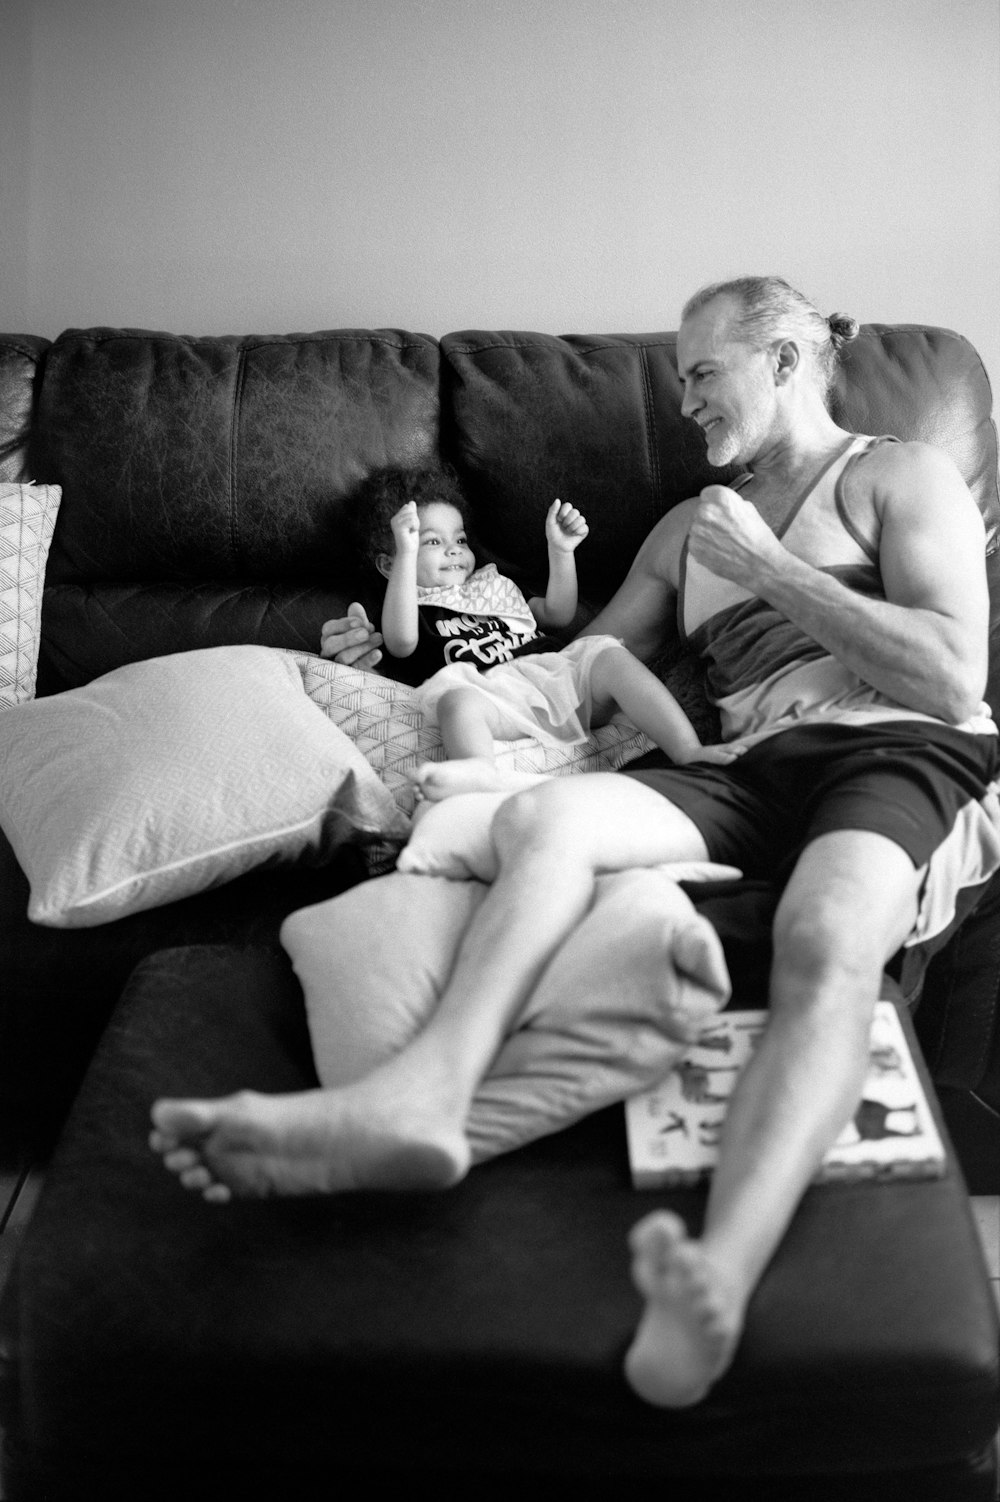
[[175, 774], [27, 520], [615, 1009], [382, 720]]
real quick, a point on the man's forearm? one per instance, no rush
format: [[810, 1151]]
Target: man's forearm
[[923, 658]]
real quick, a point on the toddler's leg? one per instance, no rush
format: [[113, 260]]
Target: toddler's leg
[[618, 679], [468, 724], [466, 721]]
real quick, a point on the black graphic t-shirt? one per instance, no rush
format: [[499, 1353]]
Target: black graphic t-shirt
[[482, 641]]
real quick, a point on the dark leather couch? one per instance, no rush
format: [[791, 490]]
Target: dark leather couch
[[150, 1346], [204, 484]]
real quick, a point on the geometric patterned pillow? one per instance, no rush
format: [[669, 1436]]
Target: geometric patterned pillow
[[27, 518], [380, 717]]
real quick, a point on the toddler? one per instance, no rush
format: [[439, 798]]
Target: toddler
[[473, 637]]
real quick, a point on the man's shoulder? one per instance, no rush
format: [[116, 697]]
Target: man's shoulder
[[673, 528], [907, 459], [904, 476]]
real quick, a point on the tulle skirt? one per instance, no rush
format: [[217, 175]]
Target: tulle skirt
[[546, 695]]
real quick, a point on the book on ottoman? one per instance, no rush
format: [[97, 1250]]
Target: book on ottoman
[[674, 1128]]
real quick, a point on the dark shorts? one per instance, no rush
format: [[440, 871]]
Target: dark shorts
[[904, 779]]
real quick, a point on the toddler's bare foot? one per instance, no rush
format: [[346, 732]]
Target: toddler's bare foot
[[719, 756], [313, 1142], [689, 1330], [470, 774]]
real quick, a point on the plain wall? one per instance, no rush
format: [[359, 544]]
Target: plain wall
[[211, 166], [15, 137]]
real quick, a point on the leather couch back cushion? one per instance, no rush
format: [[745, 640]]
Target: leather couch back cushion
[[20, 363], [208, 479], [224, 458]]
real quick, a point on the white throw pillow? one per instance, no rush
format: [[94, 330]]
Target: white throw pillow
[[175, 774], [27, 520], [613, 1012]]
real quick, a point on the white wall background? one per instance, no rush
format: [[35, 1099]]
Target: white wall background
[[211, 166]]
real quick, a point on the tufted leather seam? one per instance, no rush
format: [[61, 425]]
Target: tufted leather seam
[[234, 520], [650, 415], [528, 344], [240, 342], [986, 1040], [36, 356], [992, 1110], [425, 342]]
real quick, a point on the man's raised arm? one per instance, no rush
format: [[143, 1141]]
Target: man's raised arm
[[925, 644]]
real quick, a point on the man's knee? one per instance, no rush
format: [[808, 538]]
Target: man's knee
[[542, 816], [821, 941], [848, 907]]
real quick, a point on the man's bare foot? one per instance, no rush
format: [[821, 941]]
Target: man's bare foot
[[313, 1142], [470, 774], [690, 1327]]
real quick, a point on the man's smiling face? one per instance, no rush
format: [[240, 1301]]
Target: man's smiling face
[[729, 389]]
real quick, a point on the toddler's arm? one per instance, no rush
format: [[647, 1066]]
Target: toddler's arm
[[400, 628], [720, 755], [565, 529]]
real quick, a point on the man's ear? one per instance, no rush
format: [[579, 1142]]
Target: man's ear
[[786, 360], [384, 564]]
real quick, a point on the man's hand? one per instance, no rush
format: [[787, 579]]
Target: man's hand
[[406, 528], [729, 536], [565, 527], [352, 640]]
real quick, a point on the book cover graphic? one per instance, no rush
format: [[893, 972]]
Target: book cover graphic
[[674, 1128]]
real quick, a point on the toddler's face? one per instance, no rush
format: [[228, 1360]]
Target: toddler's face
[[444, 556]]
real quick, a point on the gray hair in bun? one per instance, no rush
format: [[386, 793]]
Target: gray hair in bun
[[843, 328], [769, 310]]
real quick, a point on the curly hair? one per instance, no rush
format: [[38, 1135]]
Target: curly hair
[[385, 491]]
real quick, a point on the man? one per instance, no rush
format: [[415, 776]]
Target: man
[[839, 598]]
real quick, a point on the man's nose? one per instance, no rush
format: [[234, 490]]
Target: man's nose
[[690, 404]]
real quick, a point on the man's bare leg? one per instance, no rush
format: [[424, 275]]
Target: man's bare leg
[[849, 906], [403, 1125]]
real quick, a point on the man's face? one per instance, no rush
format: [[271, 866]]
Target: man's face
[[729, 388]]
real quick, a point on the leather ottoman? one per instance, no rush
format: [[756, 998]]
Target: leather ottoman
[[158, 1347]]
